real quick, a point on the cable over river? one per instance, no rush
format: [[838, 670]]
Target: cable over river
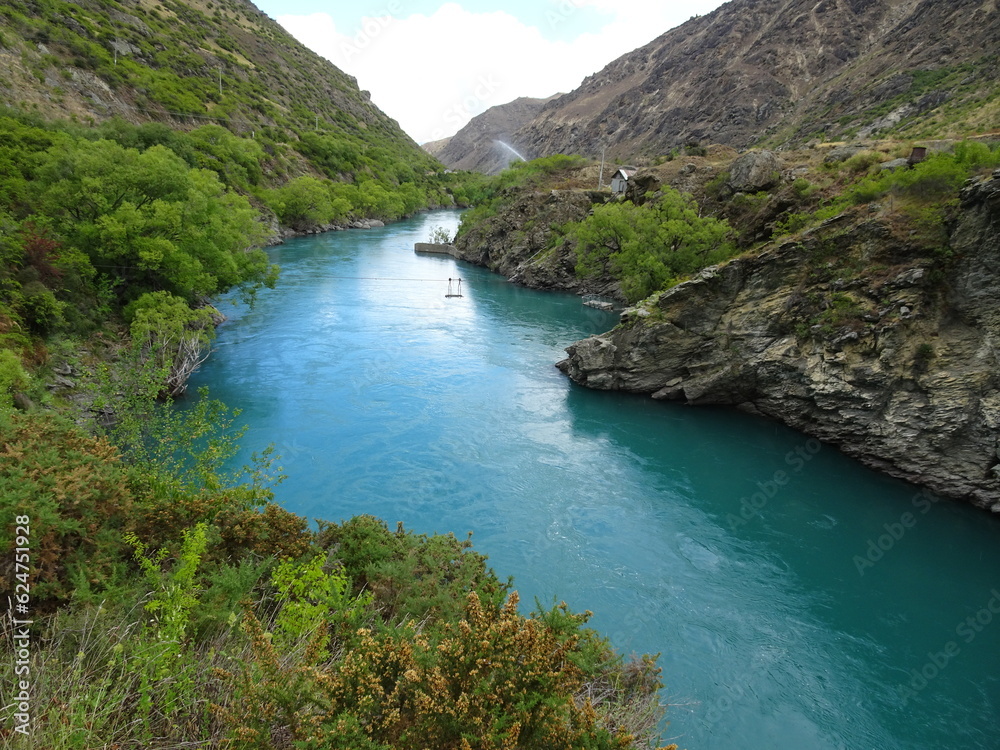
[[797, 599]]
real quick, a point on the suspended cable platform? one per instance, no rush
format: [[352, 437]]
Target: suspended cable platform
[[454, 288]]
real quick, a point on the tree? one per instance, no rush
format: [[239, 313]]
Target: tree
[[171, 335], [157, 222], [301, 202], [647, 248]]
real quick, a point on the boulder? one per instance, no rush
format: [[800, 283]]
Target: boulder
[[755, 171]]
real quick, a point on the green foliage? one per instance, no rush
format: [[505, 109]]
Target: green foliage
[[304, 201], [803, 189], [40, 309], [862, 162], [410, 575], [75, 490], [160, 224], [237, 161], [937, 178], [170, 335], [924, 354], [715, 187], [174, 594], [13, 378], [311, 597], [648, 248]]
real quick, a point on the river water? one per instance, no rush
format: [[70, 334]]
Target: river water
[[797, 599]]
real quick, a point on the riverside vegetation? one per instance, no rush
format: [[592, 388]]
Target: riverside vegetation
[[176, 603]]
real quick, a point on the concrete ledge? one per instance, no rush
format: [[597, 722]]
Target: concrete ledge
[[436, 248]]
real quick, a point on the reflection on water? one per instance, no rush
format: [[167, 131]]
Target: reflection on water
[[726, 543]]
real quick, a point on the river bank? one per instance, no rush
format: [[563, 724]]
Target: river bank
[[860, 332], [725, 542]]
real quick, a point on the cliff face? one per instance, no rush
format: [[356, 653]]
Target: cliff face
[[907, 378], [782, 71]]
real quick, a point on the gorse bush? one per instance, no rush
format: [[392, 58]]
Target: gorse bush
[[187, 607], [76, 492], [491, 679]]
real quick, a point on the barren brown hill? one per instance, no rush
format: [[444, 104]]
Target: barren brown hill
[[479, 146], [787, 71]]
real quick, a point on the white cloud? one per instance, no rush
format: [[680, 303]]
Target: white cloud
[[434, 73]]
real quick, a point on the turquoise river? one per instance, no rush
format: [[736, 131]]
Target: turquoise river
[[797, 600]]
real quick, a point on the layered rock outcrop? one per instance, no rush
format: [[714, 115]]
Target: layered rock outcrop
[[851, 334]]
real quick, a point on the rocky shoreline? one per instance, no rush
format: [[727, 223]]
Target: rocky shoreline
[[910, 387]]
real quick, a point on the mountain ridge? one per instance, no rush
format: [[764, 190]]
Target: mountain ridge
[[477, 146], [779, 72]]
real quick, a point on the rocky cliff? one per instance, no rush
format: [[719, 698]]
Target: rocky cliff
[[851, 333], [786, 71]]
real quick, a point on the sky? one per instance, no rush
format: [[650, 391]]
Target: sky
[[433, 65]]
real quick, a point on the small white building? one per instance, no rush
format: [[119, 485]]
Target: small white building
[[619, 181]]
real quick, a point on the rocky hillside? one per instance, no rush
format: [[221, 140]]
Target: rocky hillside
[[480, 145], [780, 72], [182, 62]]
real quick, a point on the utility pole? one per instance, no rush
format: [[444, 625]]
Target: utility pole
[[220, 80], [600, 176]]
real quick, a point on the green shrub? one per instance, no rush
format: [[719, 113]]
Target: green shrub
[[862, 162], [13, 378], [647, 248], [40, 309]]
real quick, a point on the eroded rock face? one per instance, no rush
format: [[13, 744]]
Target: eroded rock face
[[766, 70], [909, 382]]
